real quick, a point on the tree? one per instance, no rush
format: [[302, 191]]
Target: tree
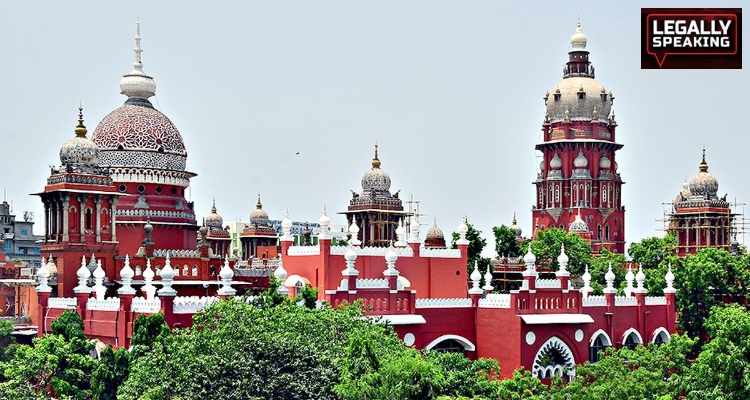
[[53, 367], [654, 255], [705, 280], [506, 243], [650, 372], [69, 325], [148, 330], [110, 372], [546, 248], [600, 265], [722, 369]]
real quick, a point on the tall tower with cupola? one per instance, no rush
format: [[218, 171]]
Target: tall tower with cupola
[[80, 204], [146, 157], [578, 173]]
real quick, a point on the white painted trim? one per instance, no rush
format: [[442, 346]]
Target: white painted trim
[[468, 346], [659, 330], [628, 332], [559, 344], [294, 279], [596, 334]]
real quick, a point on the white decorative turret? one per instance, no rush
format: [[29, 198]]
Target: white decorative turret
[[530, 260], [629, 277], [640, 277], [354, 232], [324, 222], [475, 277], [390, 261], [669, 277], [414, 230], [400, 234], [51, 266], [167, 274], [610, 278], [148, 289], [280, 275], [286, 228], [83, 274], [42, 275], [488, 279], [463, 229], [137, 84], [562, 260], [350, 256], [126, 273], [586, 289], [99, 275], [226, 275]]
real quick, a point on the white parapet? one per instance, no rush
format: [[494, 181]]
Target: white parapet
[[625, 301], [192, 304], [177, 253], [373, 251], [146, 306], [62, 302], [495, 300], [439, 253], [303, 250], [110, 304], [548, 284], [443, 303], [372, 283], [656, 301], [594, 301]]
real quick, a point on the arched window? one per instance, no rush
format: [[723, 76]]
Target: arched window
[[599, 232], [449, 346], [599, 342], [606, 233], [298, 288], [553, 358], [557, 194], [89, 219], [661, 336], [632, 339]]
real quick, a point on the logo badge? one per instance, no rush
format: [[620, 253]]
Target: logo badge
[[691, 38]]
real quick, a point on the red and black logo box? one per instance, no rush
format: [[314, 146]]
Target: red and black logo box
[[691, 38]]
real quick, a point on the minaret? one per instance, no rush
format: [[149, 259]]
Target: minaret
[[578, 169]]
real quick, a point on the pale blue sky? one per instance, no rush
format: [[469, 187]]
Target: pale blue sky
[[451, 90]]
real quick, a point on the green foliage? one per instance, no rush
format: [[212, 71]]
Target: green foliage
[[463, 377], [654, 255], [546, 248], [522, 386], [644, 373], [722, 370], [52, 367], [705, 280], [506, 243], [239, 350], [110, 372], [308, 295], [600, 265], [69, 324], [148, 330]]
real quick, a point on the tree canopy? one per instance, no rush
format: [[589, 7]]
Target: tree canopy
[[506, 243], [546, 248]]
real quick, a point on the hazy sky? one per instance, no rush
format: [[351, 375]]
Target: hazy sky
[[451, 90]]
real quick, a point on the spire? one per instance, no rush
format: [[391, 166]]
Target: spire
[[258, 205], [703, 166], [80, 129], [514, 218], [136, 84], [376, 160], [213, 206]]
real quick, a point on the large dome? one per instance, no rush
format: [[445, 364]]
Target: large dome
[[580, 96], [213, 220], [375, 179], [704, 184], [139, 136], [259, 216]]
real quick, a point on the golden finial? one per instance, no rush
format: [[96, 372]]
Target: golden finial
[[213, 207], [514, 218], [80, 129], [376, 160], [258, 205], [703, 167]]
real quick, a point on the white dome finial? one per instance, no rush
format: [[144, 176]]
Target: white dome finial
[[137, 84]]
